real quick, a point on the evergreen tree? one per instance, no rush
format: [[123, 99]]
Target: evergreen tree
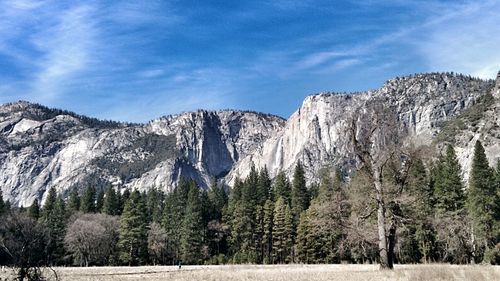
[[192, 229], [111, 203], [48, 206], [482, 198], [155, 199], [99, 203], [34, 210], [74, 201], [133, 238], [264, 187], [218, 199], [300, 195], [54, 218], [282, 232], [282, 187], [122, 199], [173, 217], [448, 186], [268, 231], [421, 211], [88, 200]]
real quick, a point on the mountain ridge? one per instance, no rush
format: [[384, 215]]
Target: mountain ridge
[[69, 150]]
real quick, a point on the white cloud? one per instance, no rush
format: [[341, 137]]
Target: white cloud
[[468, 43], [67, 48]]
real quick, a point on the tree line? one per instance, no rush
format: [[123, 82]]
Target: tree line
[[266, 221]]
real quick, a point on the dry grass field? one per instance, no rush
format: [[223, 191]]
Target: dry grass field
[[276, 273]]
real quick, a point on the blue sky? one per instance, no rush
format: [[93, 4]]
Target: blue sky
[[138, 60]]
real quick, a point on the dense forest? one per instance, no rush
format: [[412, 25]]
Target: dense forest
[[433, 217]]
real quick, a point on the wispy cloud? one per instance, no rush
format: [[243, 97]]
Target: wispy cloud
[[467, 43], [67, 47]]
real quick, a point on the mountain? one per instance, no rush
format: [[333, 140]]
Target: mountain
[[42, 148]]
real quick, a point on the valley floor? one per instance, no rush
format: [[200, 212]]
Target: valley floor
[[275, 273]]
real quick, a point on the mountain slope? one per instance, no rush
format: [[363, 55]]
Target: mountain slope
[[42, 148], [317, 135]]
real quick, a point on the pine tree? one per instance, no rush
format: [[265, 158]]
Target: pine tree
[[88, 200], [264, 187], [111, 204], [54, 219], [303, 241], [155, 205], [74, 201], [132, 241], [192, 229], [421, 210], [448, 186], [34, 210], [282, 187], [48, 206], [482, 198], [99, 201], [300, 195], [268, 231], [282, 232], [173, 217], [218, 200]]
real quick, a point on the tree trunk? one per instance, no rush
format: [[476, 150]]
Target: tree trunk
[[382, 238], [392, 243]]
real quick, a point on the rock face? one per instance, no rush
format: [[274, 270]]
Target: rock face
[[42, 148], [317, 134]]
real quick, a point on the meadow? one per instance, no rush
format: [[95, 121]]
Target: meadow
[[441, 272]]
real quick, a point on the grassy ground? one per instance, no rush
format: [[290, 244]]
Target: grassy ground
[[276, 273]]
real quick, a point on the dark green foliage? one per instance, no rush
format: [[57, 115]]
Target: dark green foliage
[[192, 228], [282, 232], [268, 224], [482, 202], [420, 210], [282, 187], [88, 200], [34, 210], [218, 199], [264, 187], [111, 205], [300, 196], [154, 199], [49, 204], [133, 241], [99, 203], [448, 186], [54, 219], [74, 201]]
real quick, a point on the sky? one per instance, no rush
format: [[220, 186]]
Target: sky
[[139, 60]]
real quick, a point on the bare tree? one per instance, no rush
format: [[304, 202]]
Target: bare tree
[[157, 243], [23, 240], [377, 143], [92, 238]]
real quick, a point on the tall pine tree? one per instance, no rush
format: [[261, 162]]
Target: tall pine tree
[[282, 187], [482, 198], [88, 200], [282, 232], [111, 203], [300, 196], [448, 186], [73, 201], [34, 210], [133, 239], [192, 229]]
